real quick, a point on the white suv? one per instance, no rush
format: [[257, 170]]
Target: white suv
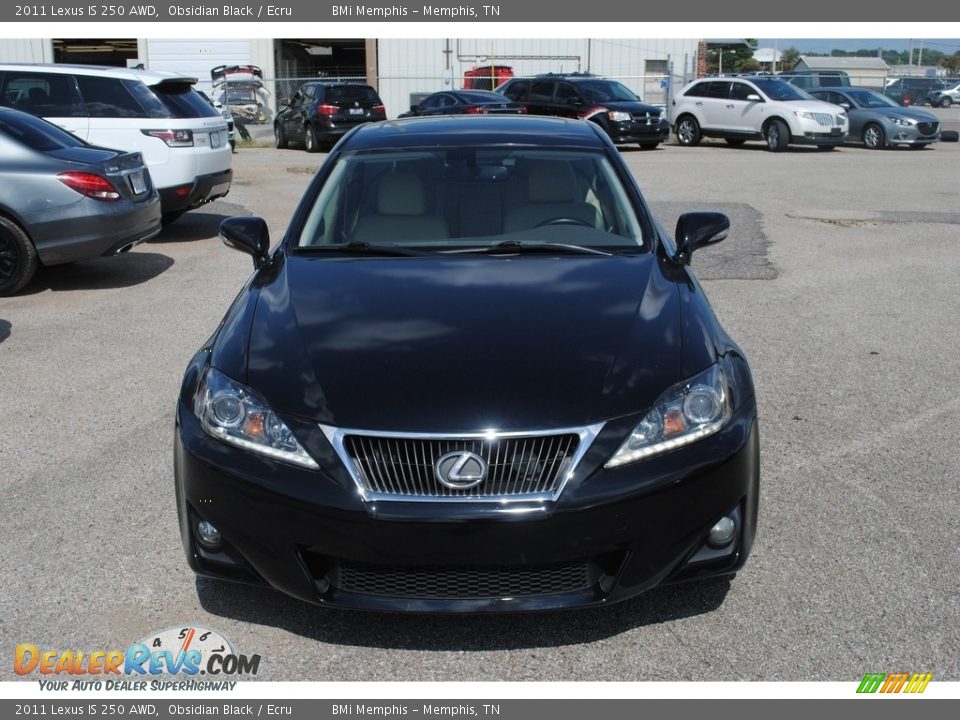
[[183, 139], [738, 109]]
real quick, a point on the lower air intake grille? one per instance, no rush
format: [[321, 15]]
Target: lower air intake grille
[[433, 582]]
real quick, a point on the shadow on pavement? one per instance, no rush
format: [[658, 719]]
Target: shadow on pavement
[[4, 330], [121, 271]]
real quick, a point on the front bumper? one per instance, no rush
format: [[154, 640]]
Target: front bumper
[[203, 189], [912, 135], [612, 534], [632, 131]]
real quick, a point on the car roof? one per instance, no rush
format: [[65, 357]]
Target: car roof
[[150, 77], [452, 130]]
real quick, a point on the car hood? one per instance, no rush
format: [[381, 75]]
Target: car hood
[[815, 106], [467, 343], [906, 113], [631, 106]]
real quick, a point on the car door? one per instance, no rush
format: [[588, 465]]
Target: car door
[[567, 101], [744, 115], [856, 116], [716, 106], [539, 99]]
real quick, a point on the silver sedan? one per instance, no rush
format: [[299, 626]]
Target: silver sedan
[[879, 122], [63, 200]]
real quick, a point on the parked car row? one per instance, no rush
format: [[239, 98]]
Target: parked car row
[[780, 114], [94, 160]]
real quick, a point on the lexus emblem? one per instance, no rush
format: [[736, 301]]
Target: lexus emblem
[[460, 470]]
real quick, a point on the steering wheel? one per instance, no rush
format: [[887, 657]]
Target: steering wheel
[[565, 221]]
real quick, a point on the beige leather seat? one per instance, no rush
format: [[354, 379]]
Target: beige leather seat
[[551, 194], [401, 213]]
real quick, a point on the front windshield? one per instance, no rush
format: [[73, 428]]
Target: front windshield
[[452, 198], [780, 90], [869, 99], [606, 91]]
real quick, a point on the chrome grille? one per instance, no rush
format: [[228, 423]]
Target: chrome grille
[[647, 118], [928, 128], [825, 119], [533, 465], [480, 582]]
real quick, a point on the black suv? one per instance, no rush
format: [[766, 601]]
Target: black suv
[[321, 112], [610, 104], [912, 91]]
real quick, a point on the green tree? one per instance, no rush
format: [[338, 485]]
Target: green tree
[[789, 58], [952, 63], [734, 59]]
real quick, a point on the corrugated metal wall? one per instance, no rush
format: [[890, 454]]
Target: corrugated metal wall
[[409, 68], [196, 56], [26, 51]]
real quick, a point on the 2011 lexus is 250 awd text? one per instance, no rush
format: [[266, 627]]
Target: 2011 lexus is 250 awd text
[[475, 375]]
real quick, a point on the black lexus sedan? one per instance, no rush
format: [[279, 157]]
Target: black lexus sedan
[[475, 375]]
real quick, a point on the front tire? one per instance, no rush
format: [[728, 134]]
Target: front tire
[[688, 131], [18, 257], [777, 135], [310, 141], [874, 137], [279, 137], [946, 102]]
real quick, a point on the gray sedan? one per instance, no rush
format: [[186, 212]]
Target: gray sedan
[[879, 122], [63, 200]]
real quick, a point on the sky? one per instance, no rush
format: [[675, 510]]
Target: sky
[[948, 46]]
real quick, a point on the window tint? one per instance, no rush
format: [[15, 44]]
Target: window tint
[[698, 90], [739, 91], [109, 97], [718, 89], [352, 93], [179, 100], [42, 94], [540, 92], [566, 94], [36, 133], [431, 103], [516, 89]]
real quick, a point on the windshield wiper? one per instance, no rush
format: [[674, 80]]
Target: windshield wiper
[[515, 247], [364, 248]]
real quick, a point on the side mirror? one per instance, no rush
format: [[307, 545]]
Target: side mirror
[[699, 229], [414, 108], [845, 105], [753, 97], [249, 235]]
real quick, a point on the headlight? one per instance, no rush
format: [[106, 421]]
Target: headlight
[[618, 115], [804, 114], [687, 412], [233, 413], [902, 122]]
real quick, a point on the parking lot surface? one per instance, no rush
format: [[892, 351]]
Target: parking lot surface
[[840, 282]]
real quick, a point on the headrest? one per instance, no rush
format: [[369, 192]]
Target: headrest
[[401, 193], [550, 181]]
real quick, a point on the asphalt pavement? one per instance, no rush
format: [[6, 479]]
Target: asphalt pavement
[[840, 282]]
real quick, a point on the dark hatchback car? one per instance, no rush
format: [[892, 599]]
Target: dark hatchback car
[[608, 103], [465, 102], [321, 113], [63, 200], [419, 402]]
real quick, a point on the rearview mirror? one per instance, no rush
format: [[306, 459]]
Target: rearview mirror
[[249, 235], [699, 229]]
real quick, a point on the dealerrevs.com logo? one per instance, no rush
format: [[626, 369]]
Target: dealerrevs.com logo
[[183, 652]]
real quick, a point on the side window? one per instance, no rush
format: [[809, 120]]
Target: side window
[[567, 94], [42, 94], [516, 90], [739, 91], [109, 97], [447, 101], [431, 103], [698, 90], [309, 91], [540, 92], [802, 81], [718, 89]]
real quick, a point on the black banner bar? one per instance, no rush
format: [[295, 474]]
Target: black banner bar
[[486, 709], [492, 11]]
